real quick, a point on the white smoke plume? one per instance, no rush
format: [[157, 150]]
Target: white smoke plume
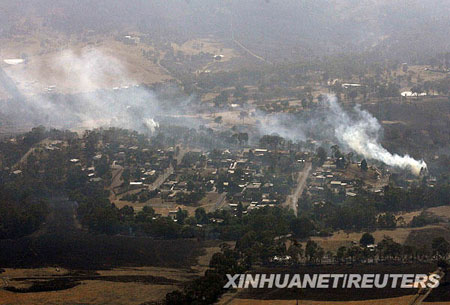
[[102, 94], [151, 124], [355, 130], [360, 133], [94, 90]]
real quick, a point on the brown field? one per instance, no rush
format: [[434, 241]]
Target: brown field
[[55, 67], [369, 177], [164, 207], [128, 285], [420, 70], [205, 45], [408, 216], [443, 211], [342, 238], [92, 292], [420, 238]]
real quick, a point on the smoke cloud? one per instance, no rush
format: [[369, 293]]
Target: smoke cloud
[[361, 134], [90, 89], [356, 130], [108, 97]]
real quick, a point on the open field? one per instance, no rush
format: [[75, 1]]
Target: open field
[[92, 292], [443, 212], [205, 45], [163, 207], [64, 69], [353, 172], [421, 238], [341, 238], [123, 285]]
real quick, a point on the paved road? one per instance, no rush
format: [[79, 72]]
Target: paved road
[[292, 200]]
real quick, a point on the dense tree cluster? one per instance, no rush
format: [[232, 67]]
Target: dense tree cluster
[[375, 211], [21, 213]]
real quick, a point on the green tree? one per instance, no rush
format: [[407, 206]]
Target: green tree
[[181, 216], [366, 239], [441, 247], [321, 155], [311, 250], [364, 166], [301, 227], [295, 251], [341, 254], [200, 216]]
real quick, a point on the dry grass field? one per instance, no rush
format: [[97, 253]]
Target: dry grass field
[[342, 238], [92, 292], [443, 211], [205, 45], [164, 207], [370, 177], [75, 67], [128, 285]]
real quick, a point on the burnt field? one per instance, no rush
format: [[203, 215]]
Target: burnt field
[[75, 278], [61, 242], [79, 250], [440, 294]]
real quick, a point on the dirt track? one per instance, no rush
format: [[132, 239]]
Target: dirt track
[[292, 200]]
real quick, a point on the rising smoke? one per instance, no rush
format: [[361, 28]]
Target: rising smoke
[[91, 73], [360, 133], [94, 90], [356, 130]]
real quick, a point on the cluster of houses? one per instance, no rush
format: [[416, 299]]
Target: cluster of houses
[[328, 177], [243, 175]]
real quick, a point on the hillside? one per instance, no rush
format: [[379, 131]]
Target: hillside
[[277, 29]]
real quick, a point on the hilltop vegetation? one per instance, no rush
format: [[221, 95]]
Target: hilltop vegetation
[[276, 29]]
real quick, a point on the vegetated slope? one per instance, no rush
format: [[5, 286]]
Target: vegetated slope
[[274, 28]]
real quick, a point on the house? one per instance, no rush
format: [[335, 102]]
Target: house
[[335, 184], [136, 183], [173, 215]]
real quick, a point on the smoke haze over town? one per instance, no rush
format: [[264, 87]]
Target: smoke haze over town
[[153, 152]]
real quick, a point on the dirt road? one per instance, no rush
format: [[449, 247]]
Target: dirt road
[[32, 149], [423, 293], [220, 201], [161, 178], [292, 200], [116, 180]]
